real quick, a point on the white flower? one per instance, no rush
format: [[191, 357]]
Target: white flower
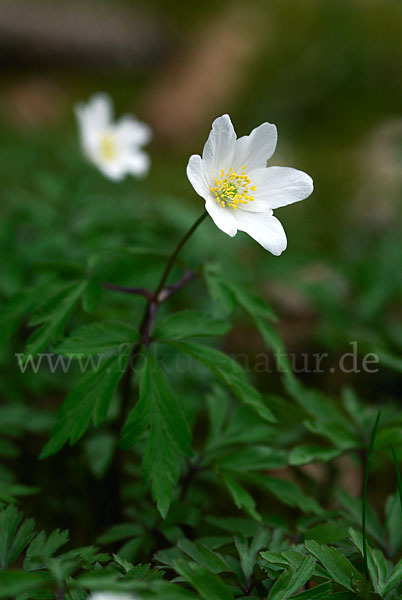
[[111, 596], [240, 191], [114, 147]]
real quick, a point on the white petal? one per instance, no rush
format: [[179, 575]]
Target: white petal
[[97, 113], [196, 176], [138, 163], [130, 131], [256, 149], [219, 148], [114, 170], [222, 217], [278, 186], [264, 228]]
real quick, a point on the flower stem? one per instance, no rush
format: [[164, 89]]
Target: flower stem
[[176, 251], [154, 301]]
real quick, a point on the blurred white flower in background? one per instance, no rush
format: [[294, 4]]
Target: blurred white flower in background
[[114, 147], [240, 191], [111, 596]]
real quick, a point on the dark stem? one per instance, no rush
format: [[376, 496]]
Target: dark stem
[[153, 303], [128, 290], [176, 251], [172, 289]]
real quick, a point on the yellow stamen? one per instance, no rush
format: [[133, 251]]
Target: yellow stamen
[[108, 147], [233, 189]]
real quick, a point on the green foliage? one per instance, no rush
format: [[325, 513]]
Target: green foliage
[[158, 410], [89, 400], [197, 473]]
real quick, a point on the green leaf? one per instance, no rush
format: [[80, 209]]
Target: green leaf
[[335, 432], [158, 411], [160, 465], [228, 294], [92, 295], [254, 458], [206, 583], [156, 397], [42, 548], [52, 316], [14, 535], [292, 579], [320, 592], [248, 553], [378, 567], [90, 399], [202, 555], [327, 533], [395, 578], [240, 496], [230, 372], [287, 492], [393, 523], [218, 289], [303, 455], [190, 323], [108, 337], [353, 508], [118, 532], [9, 491], [14, 583], [338, 567], [252, 304], [19, 306]]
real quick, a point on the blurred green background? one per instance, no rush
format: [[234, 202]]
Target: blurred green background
[[326, 72]]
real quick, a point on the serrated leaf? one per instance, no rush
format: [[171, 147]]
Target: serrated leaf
[[287, 492], [292, 579], [52, 316], [15, 535], [90, 399], [156, 397], [42, 548], [241, 497], [108, 337], [202, 555], [190, 323], [206, 583], [378, 567], [158, 412], [230, 372], [160, 466], [338, 567], [248, 552], [20, 306], [353, 510]]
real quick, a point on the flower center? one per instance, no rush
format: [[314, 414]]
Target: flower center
[[108, 147], [233, 189]]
